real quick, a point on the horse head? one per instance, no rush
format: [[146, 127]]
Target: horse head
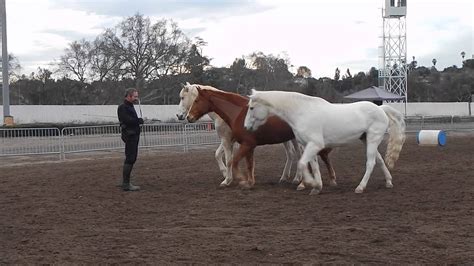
[[200, 106], [187, 96], [257, 113]]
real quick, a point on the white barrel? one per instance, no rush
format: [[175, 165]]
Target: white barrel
[[431, 138]]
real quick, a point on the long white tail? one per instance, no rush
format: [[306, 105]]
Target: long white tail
[[396, 135]]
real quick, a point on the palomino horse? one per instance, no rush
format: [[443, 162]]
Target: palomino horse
[[187, 96], [232, 109], [319, 124]]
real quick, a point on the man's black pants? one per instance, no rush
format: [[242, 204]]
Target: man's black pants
[[131, 148]]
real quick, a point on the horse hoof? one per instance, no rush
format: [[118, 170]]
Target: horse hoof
[[223, 184], [333, 183], [389, 185], [314, 191], [300, 187], [359, 190]]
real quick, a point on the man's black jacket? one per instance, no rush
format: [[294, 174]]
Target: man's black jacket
[[129, 121]]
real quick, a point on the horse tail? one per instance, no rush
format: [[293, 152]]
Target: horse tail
[[396, 135]]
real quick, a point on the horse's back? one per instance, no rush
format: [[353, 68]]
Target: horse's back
[[363, 112], [342, 123]]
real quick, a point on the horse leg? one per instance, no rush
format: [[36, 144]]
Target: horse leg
[[372, 144], [228, 180], [388, 176], [250, 159], [243, 151], [289, 161], [218, 155], [310, 152], [228, 145], [298, 153], [228, 148], [332, 174]]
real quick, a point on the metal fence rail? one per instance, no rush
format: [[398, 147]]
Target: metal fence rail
[[447, 123], [200, 134], [30, 141], [163, 135], [102, 138], [90, 138]]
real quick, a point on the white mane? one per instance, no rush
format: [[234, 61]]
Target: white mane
[[192, 89]]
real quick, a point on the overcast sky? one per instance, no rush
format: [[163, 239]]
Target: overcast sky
[[321, 35]]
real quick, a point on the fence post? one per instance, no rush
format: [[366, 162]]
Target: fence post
[[185, 135], [62, 153]]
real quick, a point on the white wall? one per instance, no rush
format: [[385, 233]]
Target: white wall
[[82, 114], [434, 109]]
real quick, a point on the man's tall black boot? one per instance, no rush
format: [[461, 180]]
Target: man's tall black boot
[[127, 185]]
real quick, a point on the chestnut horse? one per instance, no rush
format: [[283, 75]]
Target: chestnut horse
[[232, 108]]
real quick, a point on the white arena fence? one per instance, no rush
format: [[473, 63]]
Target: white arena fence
[[31, 141]]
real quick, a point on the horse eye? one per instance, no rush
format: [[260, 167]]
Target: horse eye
[[182, 98], [251, 108]]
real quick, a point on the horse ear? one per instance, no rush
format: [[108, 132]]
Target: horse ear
[[198, 88], [185, 88], [187, 83]]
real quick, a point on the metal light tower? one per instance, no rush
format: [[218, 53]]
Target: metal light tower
[[393, 69], [7, 119]]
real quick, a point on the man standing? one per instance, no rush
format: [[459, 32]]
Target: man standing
[[130, 125]]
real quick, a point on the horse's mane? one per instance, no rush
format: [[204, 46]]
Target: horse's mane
[[192, 89]]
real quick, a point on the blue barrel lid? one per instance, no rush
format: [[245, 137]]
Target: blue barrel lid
[[441, 138]]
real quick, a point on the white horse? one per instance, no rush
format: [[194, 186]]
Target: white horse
[[318, 124], [188, 95]]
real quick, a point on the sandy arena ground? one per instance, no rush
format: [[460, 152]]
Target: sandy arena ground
[[73, 212]]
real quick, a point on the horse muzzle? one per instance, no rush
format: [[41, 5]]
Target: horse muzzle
[[191, 119], [180, 116]]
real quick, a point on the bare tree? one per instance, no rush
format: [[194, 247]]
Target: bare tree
[[104, 61], [76, 59], [14, 66], [147, 50]]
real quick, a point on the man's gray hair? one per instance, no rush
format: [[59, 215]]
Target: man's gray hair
[[130, 91]]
